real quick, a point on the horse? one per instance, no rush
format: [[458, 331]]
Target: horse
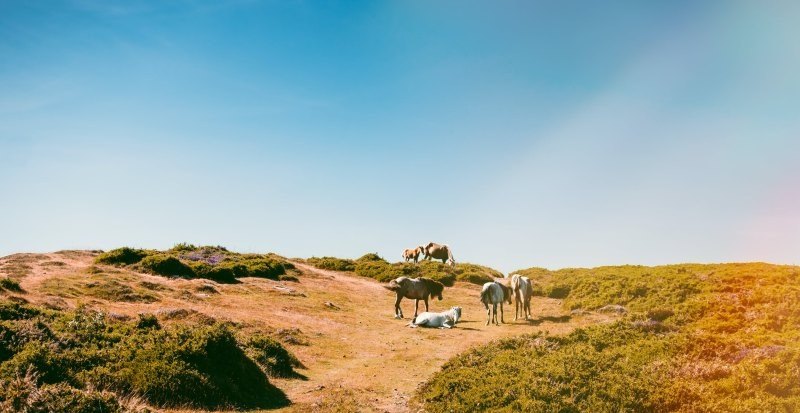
[[412, 254], [439, 252], [445, 319], [417, 288], [523, 290], [494, 293]]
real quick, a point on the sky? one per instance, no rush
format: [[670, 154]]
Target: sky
[[521, 133]]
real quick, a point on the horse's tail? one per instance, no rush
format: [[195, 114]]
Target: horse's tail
[[450, 256], [392, 286], [484, 294]]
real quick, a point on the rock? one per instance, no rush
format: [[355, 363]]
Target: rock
[[174, 313], [613, 308]]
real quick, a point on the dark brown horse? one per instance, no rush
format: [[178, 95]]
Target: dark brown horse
[[417, 288]]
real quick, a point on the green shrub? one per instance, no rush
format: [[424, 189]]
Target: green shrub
[[273, 357], [15, 311], [332, 263], [122, 256], [217, 273], [166, 265], [200, 367], [148, 321], [183, 247], [10, 285], [24, 394], [370, 257], [261, 267]]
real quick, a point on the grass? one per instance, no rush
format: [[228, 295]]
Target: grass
[[112, 286], [189, 261], [83, 358], [697, 338]]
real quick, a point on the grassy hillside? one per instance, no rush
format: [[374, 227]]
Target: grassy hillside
[[695, 338], [373, 266]]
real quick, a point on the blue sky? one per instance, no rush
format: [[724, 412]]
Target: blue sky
[[535, 133]]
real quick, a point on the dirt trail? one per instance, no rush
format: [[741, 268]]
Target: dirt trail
[[356, 354]]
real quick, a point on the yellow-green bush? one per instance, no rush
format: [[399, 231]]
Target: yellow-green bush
[[611, 368], [332, 263], [122, 256], [722, 337], [371, 265], [181, 366]]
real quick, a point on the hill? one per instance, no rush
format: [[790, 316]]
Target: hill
[[95, 328]]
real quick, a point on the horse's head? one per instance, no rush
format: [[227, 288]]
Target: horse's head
[[456, 314], [506, 292], [434, 288]]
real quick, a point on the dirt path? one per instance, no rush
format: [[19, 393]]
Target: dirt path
[[357, 356]]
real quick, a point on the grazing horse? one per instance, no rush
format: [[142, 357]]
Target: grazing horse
[[494, 293], [417, 288], [439, 252], [445, 319], [523, 290], [413, 254]]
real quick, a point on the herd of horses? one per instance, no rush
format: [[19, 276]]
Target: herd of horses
[[422, 288], [432, 250]]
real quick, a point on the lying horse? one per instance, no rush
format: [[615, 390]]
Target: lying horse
[[523, 290], [412, 254], [439, 252], [494, 293], [417, 288], [445, 319]]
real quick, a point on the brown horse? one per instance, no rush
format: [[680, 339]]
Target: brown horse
[[417, 288], [439, 252], [412, 254]]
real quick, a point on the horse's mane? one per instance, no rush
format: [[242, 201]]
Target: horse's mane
[[434, 287]]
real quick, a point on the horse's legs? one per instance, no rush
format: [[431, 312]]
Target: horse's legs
[[528, 309], [501, 313], [416, 306], [426, 303], [494, 315], [516, 306], [488, 313], [398, 312]]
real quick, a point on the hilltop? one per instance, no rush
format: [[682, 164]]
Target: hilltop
[[351, 354]]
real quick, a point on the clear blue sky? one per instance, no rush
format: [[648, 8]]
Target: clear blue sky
[[531, 133]]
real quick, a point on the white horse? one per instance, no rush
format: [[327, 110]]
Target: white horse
[[445, 319], [494, 293], [523, 290]]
